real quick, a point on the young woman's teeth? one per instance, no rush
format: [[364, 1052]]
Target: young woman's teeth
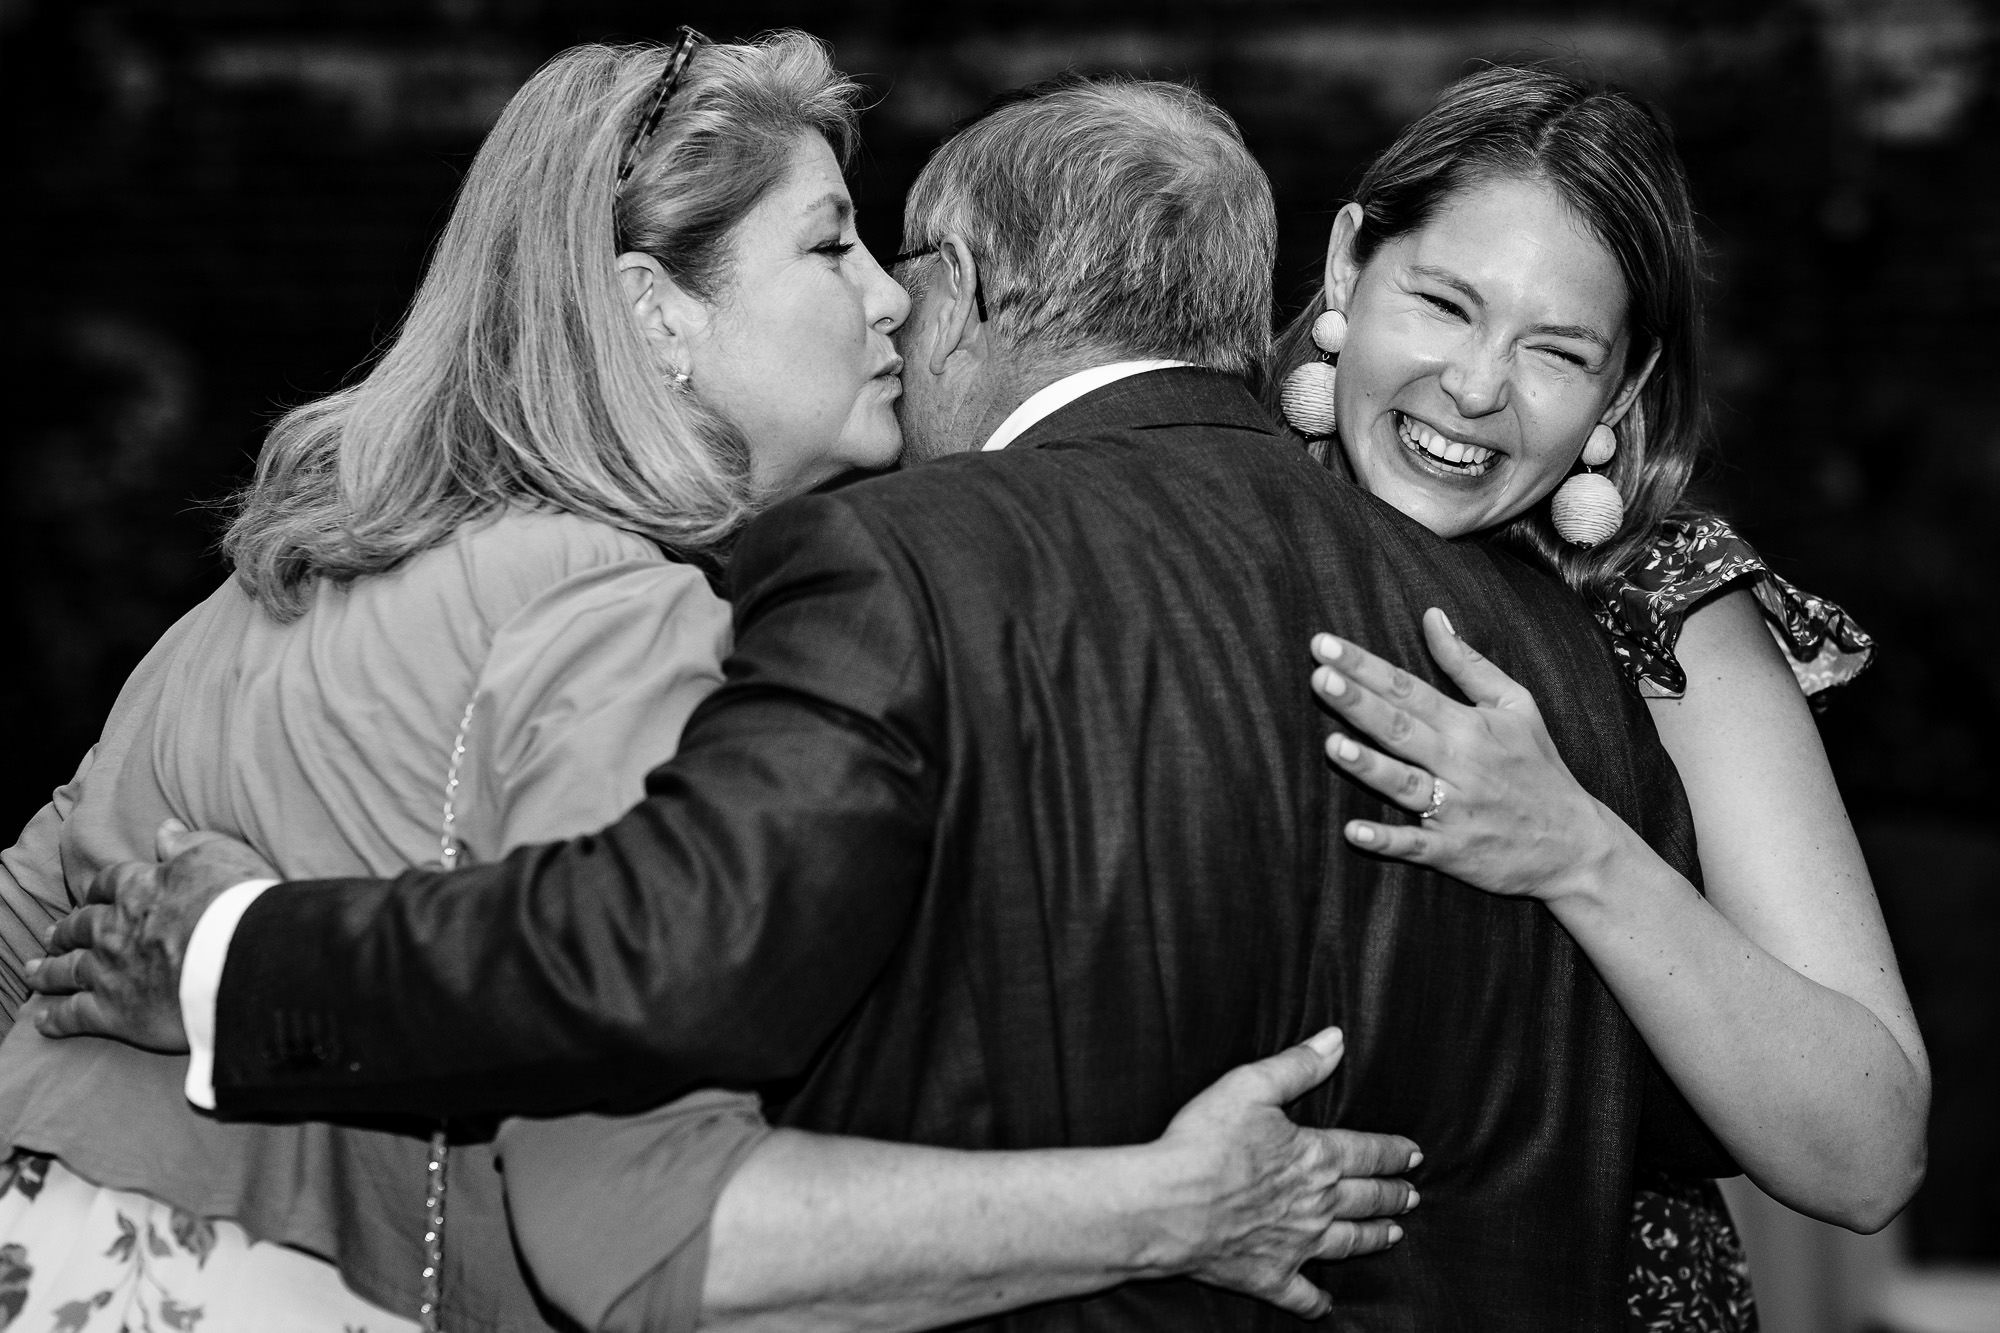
[[1471, 459]]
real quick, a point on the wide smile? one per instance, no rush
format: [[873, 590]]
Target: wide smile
[[1440, 454]]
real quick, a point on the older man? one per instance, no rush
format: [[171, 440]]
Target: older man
[[1010, 828]]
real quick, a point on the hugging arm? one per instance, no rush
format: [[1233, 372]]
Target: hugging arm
[[1774, 1002], [823, 1232], [716, 932], [801, 800], [885, 1236]]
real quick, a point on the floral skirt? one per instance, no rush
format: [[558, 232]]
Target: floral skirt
[[1686, 1272], [79, 1258]]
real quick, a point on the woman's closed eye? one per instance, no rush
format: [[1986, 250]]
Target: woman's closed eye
[[835, 249], [1442, 305]]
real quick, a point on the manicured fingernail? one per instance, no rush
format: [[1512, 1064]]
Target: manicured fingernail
[[172, 826], [1329, 681], [1411, 1202], [34, 966], [1416, 1160], [1327, 647], [1345, 750], [1447, 623], [48, 936], [1327, 1040], [1395, 1232], [1361, 833]]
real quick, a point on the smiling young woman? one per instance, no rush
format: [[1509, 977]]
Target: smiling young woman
[[1482, 350], [1515, 291]]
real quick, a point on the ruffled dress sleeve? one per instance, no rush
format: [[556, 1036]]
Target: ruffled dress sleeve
[[1693, 560]]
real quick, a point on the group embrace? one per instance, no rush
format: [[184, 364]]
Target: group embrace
[[1230, 829]]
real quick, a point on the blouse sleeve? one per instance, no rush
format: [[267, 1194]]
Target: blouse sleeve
[[586, 690], [35, 880], [33, 895], [1694, 560]]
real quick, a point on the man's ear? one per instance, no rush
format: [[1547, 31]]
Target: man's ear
[[668, 317], [1628, 392], [957, 325], [1342, 270]]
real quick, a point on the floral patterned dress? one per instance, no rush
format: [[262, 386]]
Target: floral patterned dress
[[1688, 1271], [1688, 563], [115, 1261]]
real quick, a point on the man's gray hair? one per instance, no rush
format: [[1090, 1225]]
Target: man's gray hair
[[1110, 215]]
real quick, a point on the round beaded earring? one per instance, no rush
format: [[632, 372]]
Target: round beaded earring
[[1306, 398], [1587, 508]]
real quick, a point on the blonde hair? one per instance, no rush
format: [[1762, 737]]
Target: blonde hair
[[518, 377]]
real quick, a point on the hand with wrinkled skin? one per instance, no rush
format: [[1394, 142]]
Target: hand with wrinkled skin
[[1271, 1195], [1514, 820], [115, 963]]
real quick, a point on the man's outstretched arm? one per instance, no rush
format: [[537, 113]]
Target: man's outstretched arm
[[718, 931]]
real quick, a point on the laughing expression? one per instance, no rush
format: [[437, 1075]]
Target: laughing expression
[[1481, 350]]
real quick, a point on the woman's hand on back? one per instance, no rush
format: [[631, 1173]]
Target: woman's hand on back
[[1504, 812], [1253, 1196]]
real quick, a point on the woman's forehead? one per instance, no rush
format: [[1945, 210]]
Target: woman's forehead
[[1516, 238], [813, 186], [811, 195]]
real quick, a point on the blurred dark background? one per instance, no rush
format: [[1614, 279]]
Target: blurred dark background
[[216, 208]]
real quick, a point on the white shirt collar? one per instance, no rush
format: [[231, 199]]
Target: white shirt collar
[[1065, 391]]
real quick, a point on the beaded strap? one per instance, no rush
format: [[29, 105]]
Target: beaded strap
[[448, 843], [430, 1311]]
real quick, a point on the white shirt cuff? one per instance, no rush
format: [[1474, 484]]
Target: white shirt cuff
[[201, 982]]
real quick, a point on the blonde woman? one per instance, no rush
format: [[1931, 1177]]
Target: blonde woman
[[471, 609]]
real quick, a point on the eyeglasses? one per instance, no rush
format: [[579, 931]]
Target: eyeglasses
[[978, 290], [670, 79]]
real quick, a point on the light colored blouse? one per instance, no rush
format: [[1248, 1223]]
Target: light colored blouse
[[324, 744]]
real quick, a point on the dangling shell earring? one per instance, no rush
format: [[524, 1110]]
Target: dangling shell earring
[[1306, 397], [1587, 508]]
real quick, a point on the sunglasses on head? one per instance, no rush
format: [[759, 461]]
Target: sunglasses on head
[[670, 78]]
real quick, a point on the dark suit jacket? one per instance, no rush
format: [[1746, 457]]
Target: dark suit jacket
[[1011, 828]]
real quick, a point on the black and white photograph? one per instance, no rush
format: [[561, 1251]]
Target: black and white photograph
[[879, 666]]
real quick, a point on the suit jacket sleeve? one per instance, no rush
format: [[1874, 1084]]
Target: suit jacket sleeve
[[719, 931]]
